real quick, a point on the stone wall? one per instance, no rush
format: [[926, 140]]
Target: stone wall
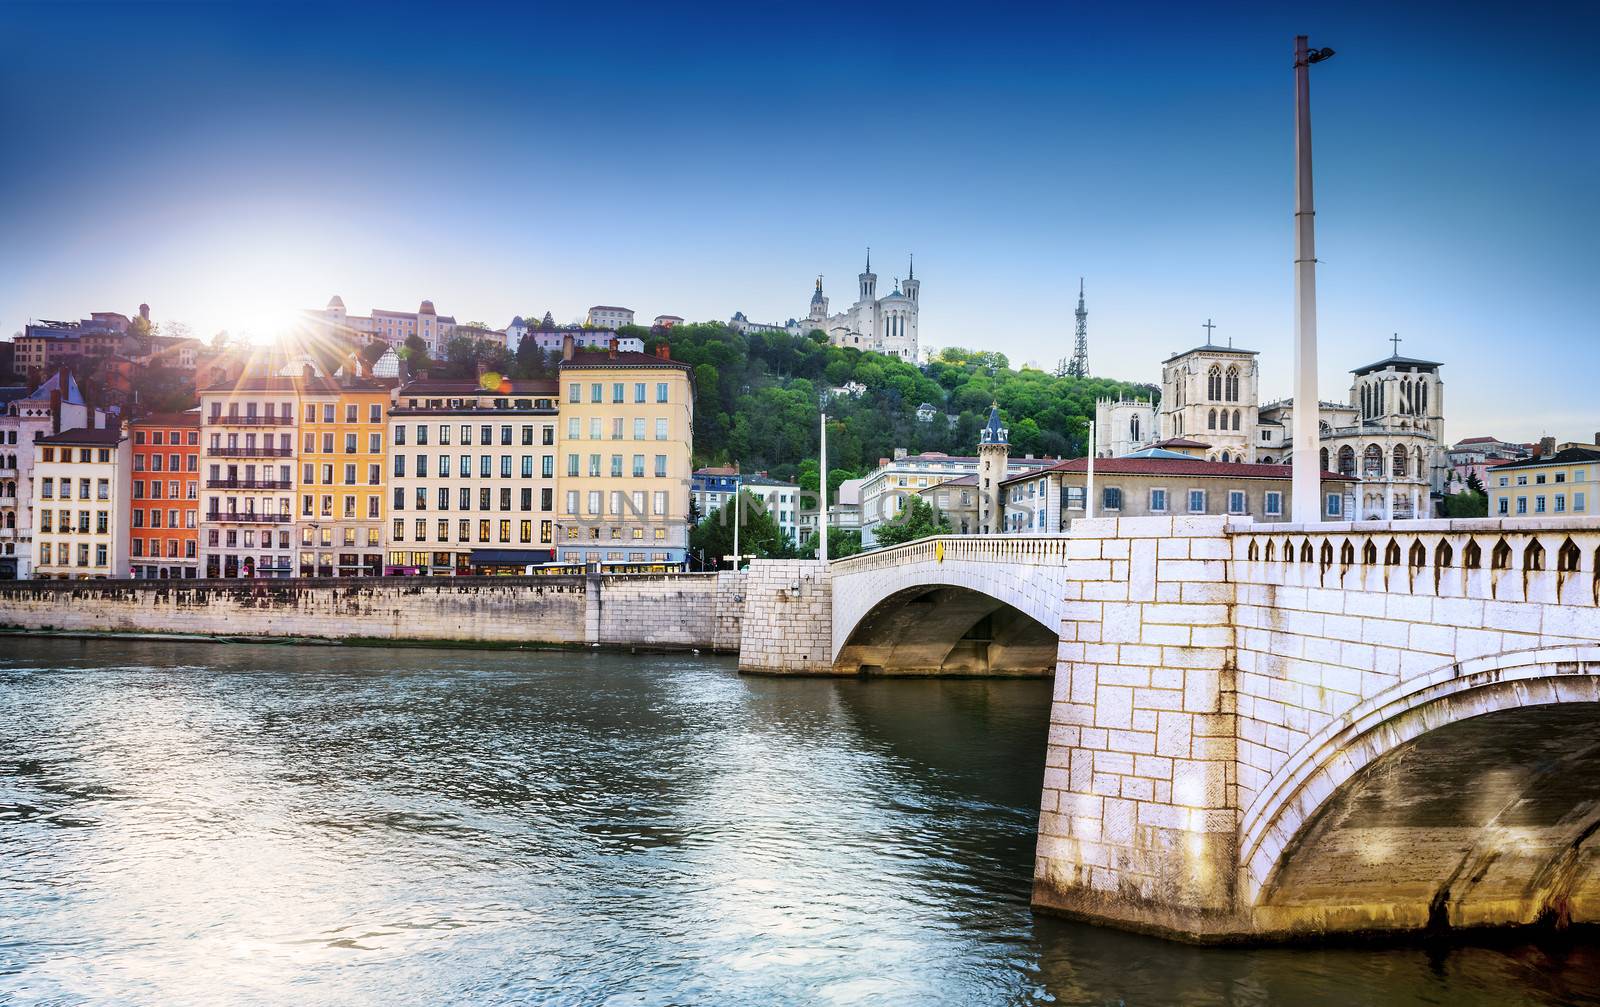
[[676, 611], [1139, 817], [663, 610], [787, 627]]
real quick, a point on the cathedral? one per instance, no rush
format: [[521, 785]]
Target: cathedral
[[1390, 434]]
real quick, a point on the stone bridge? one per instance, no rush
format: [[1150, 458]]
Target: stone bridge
[[1272, 731]]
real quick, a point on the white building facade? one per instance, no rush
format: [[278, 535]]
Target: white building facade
[[81, 505]]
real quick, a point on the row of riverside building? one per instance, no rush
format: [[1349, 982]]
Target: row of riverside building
[[308, 474]]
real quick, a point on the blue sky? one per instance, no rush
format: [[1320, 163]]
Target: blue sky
[[224, 162]]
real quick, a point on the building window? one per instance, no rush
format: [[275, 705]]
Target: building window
[[1505, 505], [1236, 502], [1274, 503], [1538, 504], [1522, 505], [1111, 498], [1197, 501], [1158, 501]]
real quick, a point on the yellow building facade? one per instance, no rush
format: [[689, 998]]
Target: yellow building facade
[[1562, 483], [342, 491], [625, 438]]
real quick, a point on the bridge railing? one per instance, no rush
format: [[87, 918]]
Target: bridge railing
[[1549, 560], [1016, 549]]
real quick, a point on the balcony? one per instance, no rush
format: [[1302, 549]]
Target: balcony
[[249, 421], [247, 484], [245, 517], [261, 452]]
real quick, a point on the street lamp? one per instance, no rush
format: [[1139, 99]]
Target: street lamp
[[1306, 478]]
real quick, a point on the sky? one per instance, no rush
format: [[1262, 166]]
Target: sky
[[228, 164]]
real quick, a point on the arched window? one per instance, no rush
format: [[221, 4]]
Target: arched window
[[1133, 429], [1366, 401], [1211, 420], [1214, 383], [1372, 462], [1399, 460], [1225, 456], [1232, 389], [1347, 461], [1236, 419], [1422, 398], [1324, 459], [1405, 395]]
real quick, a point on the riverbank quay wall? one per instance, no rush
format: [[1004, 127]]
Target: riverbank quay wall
[[669, 611]]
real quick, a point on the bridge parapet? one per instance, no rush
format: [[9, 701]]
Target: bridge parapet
[[1033, 550]]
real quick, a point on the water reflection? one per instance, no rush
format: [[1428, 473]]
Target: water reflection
[[250, 824]]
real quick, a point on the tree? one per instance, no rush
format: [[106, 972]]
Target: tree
[[841, 543], [415, 353], [917, 519]]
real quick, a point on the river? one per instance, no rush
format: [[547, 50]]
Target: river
[[195, 823]]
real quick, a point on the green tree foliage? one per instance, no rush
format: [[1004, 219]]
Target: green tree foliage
[[917, 519], [758, 393], [415, 353], [841, 543], [759, 534]]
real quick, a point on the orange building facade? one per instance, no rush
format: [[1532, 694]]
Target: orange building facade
[[164, 508]]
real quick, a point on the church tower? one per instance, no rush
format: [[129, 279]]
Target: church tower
[[819, 306], [912, 286], [869, 283], [994, 451]]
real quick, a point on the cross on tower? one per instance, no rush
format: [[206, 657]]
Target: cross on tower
[[1208, 327], [1395, 339]]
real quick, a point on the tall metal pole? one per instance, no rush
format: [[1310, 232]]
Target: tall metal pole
[[738, 491], [1306, 483], [822, 517]]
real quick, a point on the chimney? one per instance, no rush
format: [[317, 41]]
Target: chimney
[[611, 349], [1547, 446], [307, 372], [144, 312], [55, 410], [568, 348]]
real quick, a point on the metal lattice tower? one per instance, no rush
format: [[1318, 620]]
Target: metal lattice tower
[[1079, 367]]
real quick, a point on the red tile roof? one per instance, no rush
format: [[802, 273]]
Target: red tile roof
[[1177, 467]]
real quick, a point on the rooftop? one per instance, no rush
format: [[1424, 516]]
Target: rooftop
[[94, 437], [1571, 456], [463, 387], [188, 419], [622, 358], [1180, 442], [1180, 466], [1395, 360], [1212, 348]]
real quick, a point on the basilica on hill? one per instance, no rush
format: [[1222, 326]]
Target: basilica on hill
[[886, 324]]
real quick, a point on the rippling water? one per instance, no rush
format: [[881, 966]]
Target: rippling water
[[185, 823]]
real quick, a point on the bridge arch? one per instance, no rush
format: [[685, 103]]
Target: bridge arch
[[951, 605], [1468, 796]]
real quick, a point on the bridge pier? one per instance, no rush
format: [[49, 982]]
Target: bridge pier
[[1140, 813]]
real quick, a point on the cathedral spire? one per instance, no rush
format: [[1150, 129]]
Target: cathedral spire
[[911, 270], [869, 258]]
